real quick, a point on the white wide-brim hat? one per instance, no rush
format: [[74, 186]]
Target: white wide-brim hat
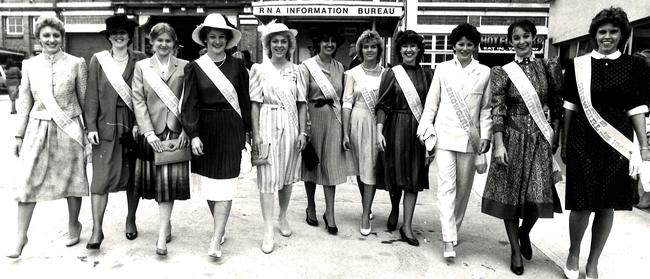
[[273, 27], [217, 21]]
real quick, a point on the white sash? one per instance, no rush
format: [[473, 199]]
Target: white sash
[[411, 94], [605, 130], [534, 106], [369, 91], [70, 126], [465, 118], [115, 77], [220, 81], [163, 91], [325, 85], [273, 78]]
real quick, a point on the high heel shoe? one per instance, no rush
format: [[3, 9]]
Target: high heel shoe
[[526, 248], [449, 254], [571, 274], [411, 241], [161, 251], [16, 254], [72, 241], [331, 230], [311, 222], [212, 252], [365, 232], [519, 270], [132, 235], [96, 245]]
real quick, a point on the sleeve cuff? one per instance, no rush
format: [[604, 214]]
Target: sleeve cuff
[[147, 133], [570, 106], [638, 110], [498, 128], [347, 105]]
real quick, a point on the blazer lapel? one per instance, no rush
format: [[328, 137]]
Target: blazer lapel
[[154, 65], [128, 71], [173, 65]]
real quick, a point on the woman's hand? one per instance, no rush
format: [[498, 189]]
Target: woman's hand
[[381, 142], [645, 154], [135, 132], [155, 143], [484, 146], [93, 138], [302, 142], [346, 142], [501, 155], [18, 146], [197, 146], [183, 140]]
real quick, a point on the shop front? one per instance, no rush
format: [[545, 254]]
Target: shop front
[[349, 18]]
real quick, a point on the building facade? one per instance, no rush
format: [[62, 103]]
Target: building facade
[[569, 29]]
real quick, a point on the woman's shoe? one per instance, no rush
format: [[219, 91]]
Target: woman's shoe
[[311, 222], [371, 216], [411, 241], [519, 270], [391, 226], [449, 254], [526, 248], [16, 254], [74, 240], [285, 230], [331, 230], [365, 232], [161, 251], [571, 274], [132, 235], [213, 251], [96, 245]]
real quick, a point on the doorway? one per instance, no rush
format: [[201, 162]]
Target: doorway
[[184, 26]]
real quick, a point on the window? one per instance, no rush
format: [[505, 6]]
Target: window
[[14, 25], [34, 20]]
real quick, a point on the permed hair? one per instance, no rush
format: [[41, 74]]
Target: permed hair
[[465, 30], [51, 21], [163, 28], [615, 16], [324, 35], [409, 37], [267, 44], [525, 25], [370, 37]]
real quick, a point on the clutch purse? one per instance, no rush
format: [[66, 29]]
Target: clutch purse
[[172, 153], [481, 163], [260, 154], [310, 157]]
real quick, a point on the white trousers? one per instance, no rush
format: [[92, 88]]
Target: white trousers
[[455, 177]]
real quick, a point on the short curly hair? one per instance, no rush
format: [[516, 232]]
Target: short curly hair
[[525, 25], [51, 21], [465, 30], [370, 37], [267, 44], [615, 16], [323, 35], [409, 37]]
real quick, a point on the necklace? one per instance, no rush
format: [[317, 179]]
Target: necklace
[[121, 59], [220, 63], [370, 70]]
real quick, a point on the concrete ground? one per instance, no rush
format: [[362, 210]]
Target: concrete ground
[[310, 252]]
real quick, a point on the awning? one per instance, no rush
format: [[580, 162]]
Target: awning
[[339, 9], [11, 52]]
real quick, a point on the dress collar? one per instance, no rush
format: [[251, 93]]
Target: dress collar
[[53, 58], [469, 66], [530, 58], [597, 55]]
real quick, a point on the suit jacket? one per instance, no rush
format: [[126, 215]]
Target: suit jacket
[[64, 73], [474, 80], [101, 99], [150, 111]]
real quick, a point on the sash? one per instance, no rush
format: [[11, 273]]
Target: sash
[[411, 94], [605, 130], [71, 127], [273, 78], [462, 111], [115, 77], [220, 81], [163, 91], [325, 85], [534, 106], [369, 93]]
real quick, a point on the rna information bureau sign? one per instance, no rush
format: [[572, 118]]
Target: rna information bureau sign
[[327, 10]]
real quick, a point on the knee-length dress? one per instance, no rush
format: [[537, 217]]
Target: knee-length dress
[[107, 114], [207, 114], [363, 126], [275, 124], [526, 184], [166, 182], [597, 175], [326, 132], [402, 165], [51, 164]]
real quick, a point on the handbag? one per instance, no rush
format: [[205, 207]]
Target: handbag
[[481, 163], [172, 153], [260, 154], [310, 157], [245, 165]]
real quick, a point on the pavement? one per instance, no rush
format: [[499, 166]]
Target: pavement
[[483, 250]]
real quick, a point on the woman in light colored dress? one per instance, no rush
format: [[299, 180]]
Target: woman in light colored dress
[[326, 133], [157, 122], [359, 126], [279, 114], [50, 139], [216, 121]]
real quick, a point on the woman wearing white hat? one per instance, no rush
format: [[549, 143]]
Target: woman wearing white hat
[[279, 113], [216, 115]]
